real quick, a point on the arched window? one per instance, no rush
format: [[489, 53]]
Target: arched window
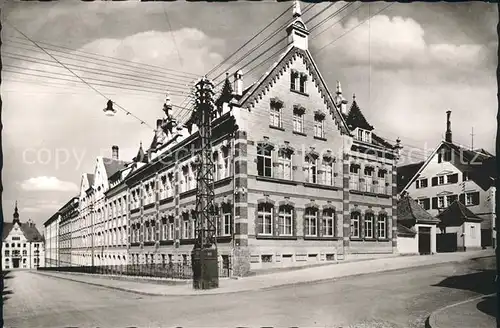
[[382, 226], [311, 222], [265, 219], [369, 225], [355, 224], [285, 220]]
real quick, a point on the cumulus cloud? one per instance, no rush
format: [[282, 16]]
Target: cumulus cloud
[[45, 183], [398, 43]]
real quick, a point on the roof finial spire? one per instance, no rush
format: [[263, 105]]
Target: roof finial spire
[[339, 88], [296, 9], [353, 97]]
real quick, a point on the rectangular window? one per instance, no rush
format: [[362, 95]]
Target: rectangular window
[[275, 117], [171, 231], [265, 219], [441, 179], [293, 80], [468, 199], [328, 223], [327, 168], [424, 183], [298, 122], [303, 80], [7, 253], [318, 128], [369, 225], [311, 170], [226, 163], [355, 220], [441, 202], [185, 229], [311, 220], [452, 178], [264, 160], [284, 165], [226, 224], [425, 203], [381, 226], [360, 134], [285, 220]]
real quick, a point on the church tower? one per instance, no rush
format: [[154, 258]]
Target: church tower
[[16, 215]]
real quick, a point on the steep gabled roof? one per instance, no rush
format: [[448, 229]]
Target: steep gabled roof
[[112, 166], [356, 119], [410, 213], [483, 173], [141, 156], [406, 173], [267, 80], [30, 231], [456, 214], [226, 94], [7, 227], [90, 178]]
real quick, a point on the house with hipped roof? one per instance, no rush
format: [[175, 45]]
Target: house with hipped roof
[[417, 229], [453, 172]]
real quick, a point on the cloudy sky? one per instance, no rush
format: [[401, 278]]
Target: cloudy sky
[[407, 65]]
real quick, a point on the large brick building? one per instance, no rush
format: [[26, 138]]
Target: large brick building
[[300, 179]]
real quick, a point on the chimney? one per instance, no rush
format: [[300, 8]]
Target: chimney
[[115, 152], [159, 122], [238, 83], [448, 127]]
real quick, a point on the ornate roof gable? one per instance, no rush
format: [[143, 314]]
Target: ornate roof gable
[[266, 82]]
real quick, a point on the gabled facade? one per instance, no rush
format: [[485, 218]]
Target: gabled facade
[[294, 185], [22, 244], [454, 173]]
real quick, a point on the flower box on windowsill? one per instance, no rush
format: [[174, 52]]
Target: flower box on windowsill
[[187, 241], [166, 200], [298, 92], [321, 238], [300, 133], [276, 180], [319, 138], [275, 237], [276, 127], [150, 205], [320, 186]]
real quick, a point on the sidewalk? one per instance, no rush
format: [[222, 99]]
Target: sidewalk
[[308, 275], [478, 312]]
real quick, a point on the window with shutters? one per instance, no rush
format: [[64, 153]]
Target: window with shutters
[[311, 222], [382, 226], [368, 222], [285, 220], [355, 224], [264, 160], [472, 198], [265, 219], [329, 223]]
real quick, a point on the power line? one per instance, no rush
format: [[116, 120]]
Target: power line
[[246, 43], [352, 29], [190, 75], [172, 34]]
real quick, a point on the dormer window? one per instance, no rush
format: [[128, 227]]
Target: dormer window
[[363, 135]]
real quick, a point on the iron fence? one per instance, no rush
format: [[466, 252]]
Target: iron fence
[[172, 270]]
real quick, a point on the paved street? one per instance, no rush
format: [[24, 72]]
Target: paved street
[[399, 299]]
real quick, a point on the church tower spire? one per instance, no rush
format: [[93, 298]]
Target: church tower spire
[[297, 30], [16, 215]]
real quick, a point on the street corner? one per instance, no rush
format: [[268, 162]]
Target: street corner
[[479, 311]]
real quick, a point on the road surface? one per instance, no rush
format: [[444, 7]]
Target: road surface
[[398, 299]]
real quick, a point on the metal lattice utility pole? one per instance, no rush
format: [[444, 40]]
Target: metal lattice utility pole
[[204, 255]]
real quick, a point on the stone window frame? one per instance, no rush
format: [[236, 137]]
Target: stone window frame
[[277, 105], [329, 212], [298, 116], [264, 146], [308, 209], [311, 159], [262, 206]]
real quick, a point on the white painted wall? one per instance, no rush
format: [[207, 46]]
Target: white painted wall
[[408, 245]]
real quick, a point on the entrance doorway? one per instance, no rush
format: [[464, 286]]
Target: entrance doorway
[[424, 240], [15, 263]]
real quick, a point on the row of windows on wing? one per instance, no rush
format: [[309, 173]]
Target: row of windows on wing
[[112, 237], [439, 202], [188, 226], [150, 259], [276, 162], [368, 181], [187, 181], [16, 253], [284, 218], [441, 180], [276, 118], [369, 225], [6, 245], [117, 207]]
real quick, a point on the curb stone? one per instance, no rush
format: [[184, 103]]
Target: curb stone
[[210, 292], [430, 322]]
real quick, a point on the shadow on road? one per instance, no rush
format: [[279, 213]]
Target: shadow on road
[[488, 306], [5, 292], [482, 282], [7, 275]]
